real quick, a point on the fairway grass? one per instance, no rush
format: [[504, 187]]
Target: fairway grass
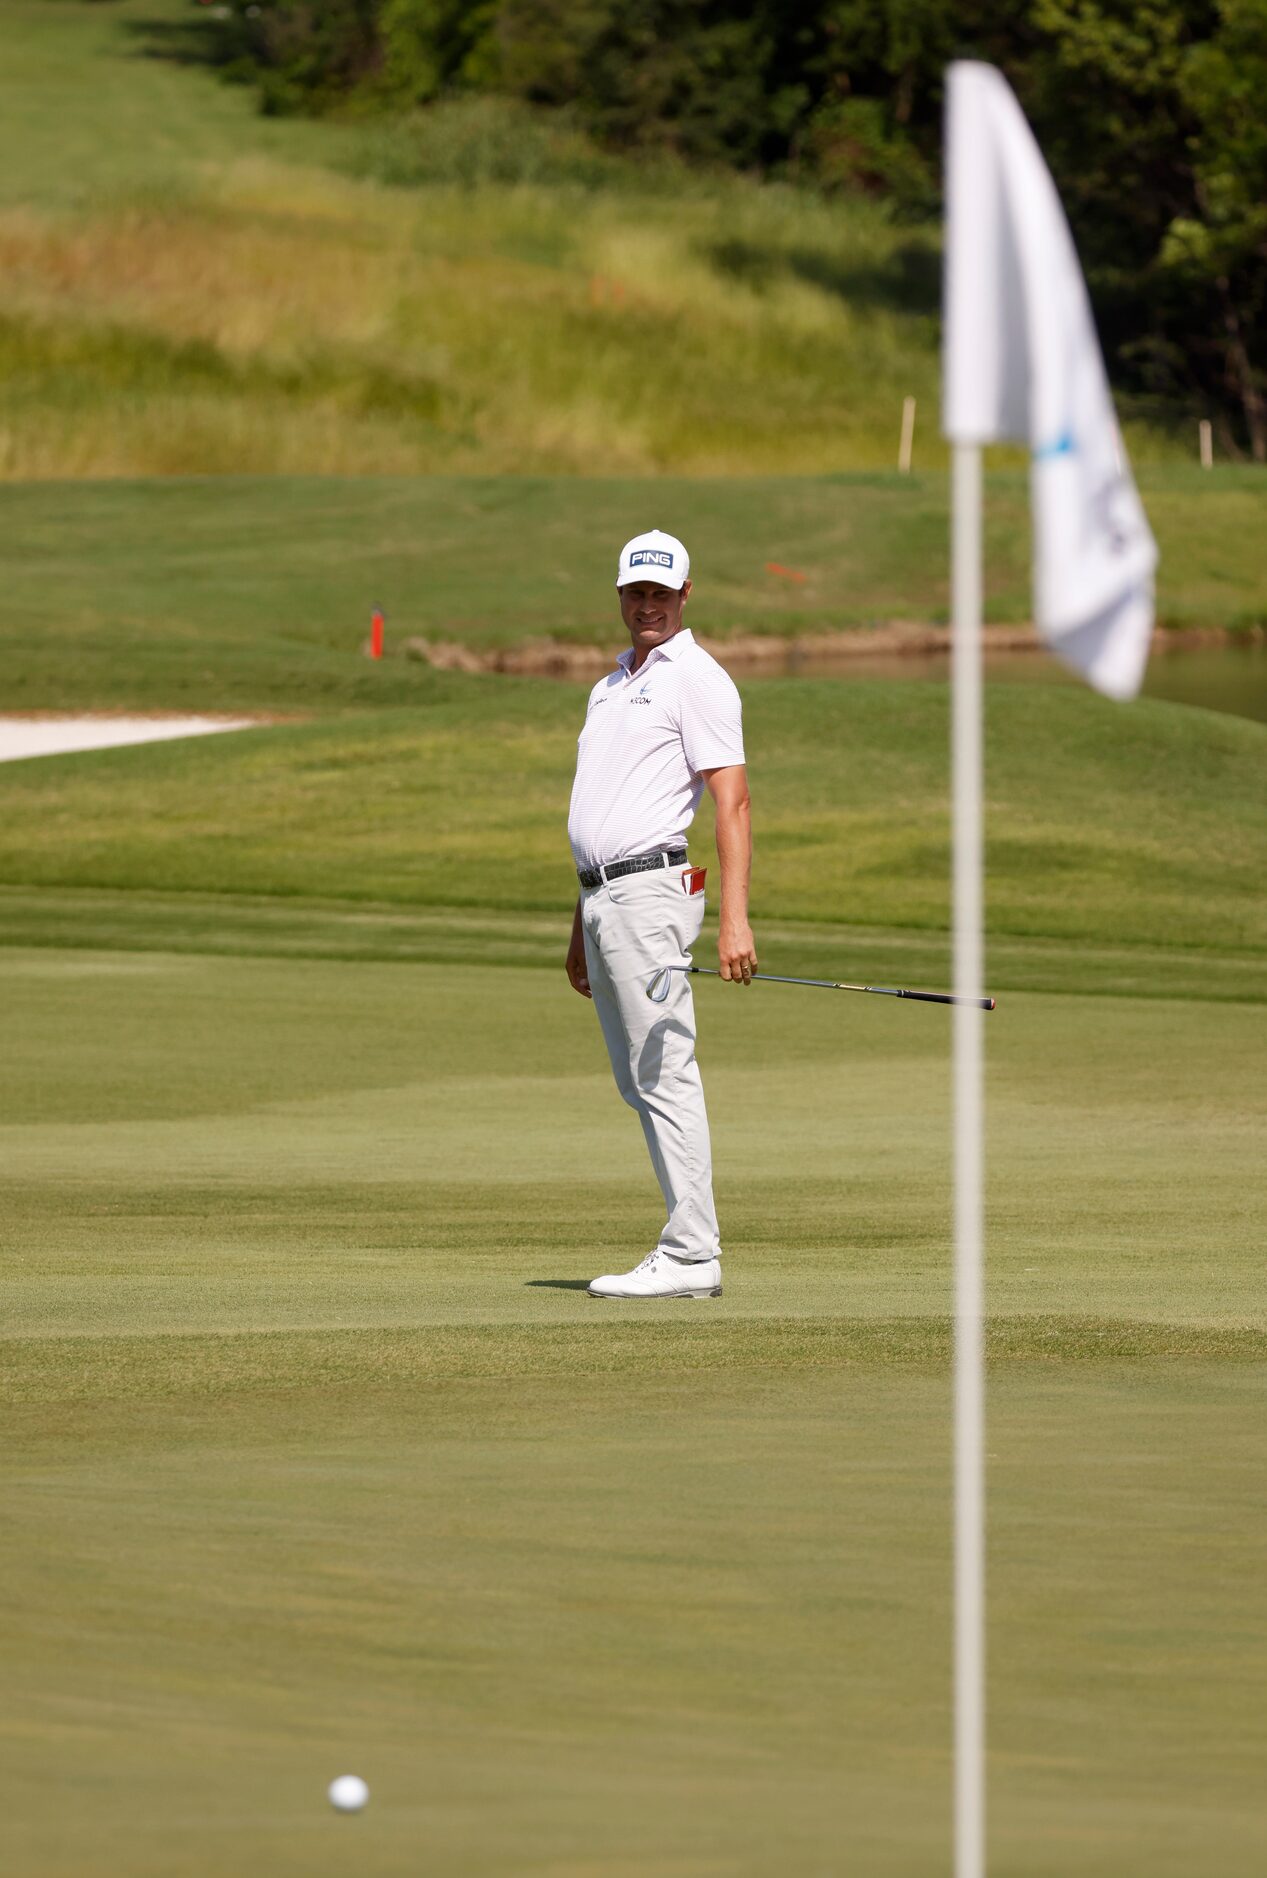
[[320, 1460], [256, 593]]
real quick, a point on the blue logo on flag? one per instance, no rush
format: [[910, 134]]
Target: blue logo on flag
[[651, 557]]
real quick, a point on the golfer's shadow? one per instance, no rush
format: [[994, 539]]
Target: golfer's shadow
[[556, 1284]]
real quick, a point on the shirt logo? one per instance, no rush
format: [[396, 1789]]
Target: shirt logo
[[651, 557], [640, 697]]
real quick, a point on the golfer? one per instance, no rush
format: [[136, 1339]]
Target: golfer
[[658, 729]]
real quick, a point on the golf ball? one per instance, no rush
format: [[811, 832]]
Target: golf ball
[[348, 1793]]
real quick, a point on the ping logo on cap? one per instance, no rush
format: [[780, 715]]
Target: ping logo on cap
[[650, 557]]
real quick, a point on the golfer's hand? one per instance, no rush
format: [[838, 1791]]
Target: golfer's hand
[[737, 953], [578, 975]]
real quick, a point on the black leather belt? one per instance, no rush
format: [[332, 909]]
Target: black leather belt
[[639, 864]]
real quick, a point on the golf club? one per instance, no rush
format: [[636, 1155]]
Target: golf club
[[658, 988]]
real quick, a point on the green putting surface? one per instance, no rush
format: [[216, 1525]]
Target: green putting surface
[[319, 1459]]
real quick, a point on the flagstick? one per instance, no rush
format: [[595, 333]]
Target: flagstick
[[966, 708]]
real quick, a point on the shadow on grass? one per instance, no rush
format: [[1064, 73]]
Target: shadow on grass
[[908, 280], [556, 1284]]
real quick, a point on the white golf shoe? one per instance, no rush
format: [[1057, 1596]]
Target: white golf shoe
[[662, 1276]]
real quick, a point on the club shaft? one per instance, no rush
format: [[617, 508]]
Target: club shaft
[[830, 984]]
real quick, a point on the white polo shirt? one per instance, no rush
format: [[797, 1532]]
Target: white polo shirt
[[647, 736]]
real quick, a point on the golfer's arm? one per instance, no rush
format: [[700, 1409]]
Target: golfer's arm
[[574, 964], [729, 790]]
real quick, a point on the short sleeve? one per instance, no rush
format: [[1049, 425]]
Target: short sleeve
[[711, 719]]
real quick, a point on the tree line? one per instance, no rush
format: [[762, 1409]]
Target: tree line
[[1150, 114]]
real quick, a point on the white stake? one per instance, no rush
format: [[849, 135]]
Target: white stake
[[1206, 434], [969, 1443], [908, 436]]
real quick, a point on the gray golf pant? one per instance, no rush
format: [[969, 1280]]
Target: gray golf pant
[[632, 928]]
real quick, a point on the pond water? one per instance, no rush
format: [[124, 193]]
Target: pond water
[[1230, 677]]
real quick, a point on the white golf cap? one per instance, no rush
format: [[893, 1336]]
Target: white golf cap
[[658, 557]]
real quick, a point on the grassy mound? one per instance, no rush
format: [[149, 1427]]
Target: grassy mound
[[1105, 826]]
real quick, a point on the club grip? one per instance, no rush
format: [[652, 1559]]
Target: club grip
[[942, 997]]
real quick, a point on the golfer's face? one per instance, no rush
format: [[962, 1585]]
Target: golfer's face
[[652, 613]]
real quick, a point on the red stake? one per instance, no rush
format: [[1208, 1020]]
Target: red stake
[[788, 573], [376, 635]]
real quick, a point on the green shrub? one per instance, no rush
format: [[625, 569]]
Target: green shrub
[[851, 145]]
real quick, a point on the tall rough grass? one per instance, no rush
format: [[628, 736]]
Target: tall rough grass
[[288, 319], [468, 292]]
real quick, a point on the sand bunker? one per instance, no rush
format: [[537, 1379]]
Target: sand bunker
[[53, 736]]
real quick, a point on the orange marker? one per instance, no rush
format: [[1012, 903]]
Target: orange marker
[[376, 635]]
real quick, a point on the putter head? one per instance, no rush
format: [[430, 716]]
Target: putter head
[[658, 988]]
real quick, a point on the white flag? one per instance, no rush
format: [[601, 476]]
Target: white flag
[[1022, 363]]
